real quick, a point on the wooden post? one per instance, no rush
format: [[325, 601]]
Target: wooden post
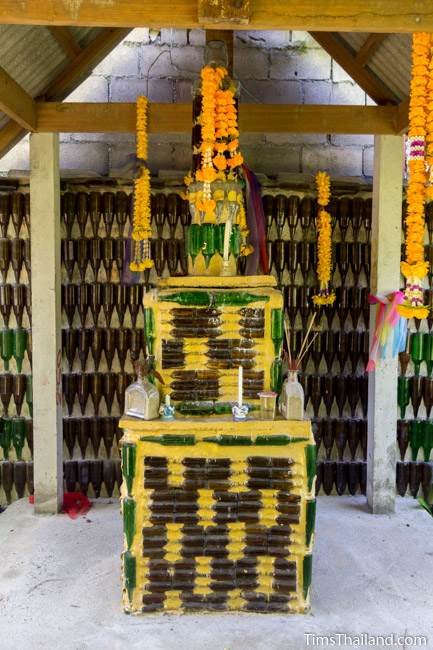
[[385, 277], [46, 323]]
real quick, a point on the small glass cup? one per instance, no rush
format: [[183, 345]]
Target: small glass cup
[[268, 403]]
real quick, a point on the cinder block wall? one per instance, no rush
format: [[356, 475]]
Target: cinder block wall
[[272, 67]]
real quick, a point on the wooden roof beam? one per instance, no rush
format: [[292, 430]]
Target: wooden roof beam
[[399, 16], [369, 47], [66, 40], [69, 79], [342, 55], [253, 118], [16, 102]]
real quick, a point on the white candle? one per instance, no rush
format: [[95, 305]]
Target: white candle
[[227, 234], [167, 400], [240, 382]]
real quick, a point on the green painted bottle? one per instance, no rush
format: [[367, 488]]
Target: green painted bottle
[[310, 520], [230, 441], [310, 458], [170, 440], [128, 508], [277, 329], [129, 455], [129, 573]]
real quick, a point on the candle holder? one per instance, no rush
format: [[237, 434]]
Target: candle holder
[[240, 412]]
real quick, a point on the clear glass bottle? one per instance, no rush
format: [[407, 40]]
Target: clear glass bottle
[[292, 398], [142, 397]]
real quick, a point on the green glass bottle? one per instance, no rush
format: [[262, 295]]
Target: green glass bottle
[[277, 330], [129, 455], [149, 329], [238, 298], [208, 245], [129, 573], [20, 346], [427, 351], [219, 238], [230, 440], [170, 440], [194, 240], [308, 570], [128, 508], [235, 241], [7, 346], [277, 376], [416, 437], [5, 435], [403, 395], [18, 431], [416, 350], [29, 394], [427, 445]]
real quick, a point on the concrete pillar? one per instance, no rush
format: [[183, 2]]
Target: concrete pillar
[[46, 322], [385, 277]]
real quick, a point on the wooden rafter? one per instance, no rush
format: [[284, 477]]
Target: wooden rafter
[[16, 102], [369, 47], [344, 57], [69, 79], [254, 118], [66, 40], [399, 16]]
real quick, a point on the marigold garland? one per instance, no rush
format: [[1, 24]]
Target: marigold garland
[[141, 230], [221, 159], [420, 154], [325, 296]]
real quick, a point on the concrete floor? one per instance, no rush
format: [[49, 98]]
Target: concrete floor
[[60, 584]]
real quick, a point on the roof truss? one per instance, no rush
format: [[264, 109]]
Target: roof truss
[[318, 15]]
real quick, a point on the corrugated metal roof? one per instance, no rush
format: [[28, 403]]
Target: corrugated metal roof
[[32, 56], [390, 62]]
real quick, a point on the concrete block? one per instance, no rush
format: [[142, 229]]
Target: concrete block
[[267, 91], [352, 140], [277, 139], [368, 161], [187, 60], [251, 139], [272, 160], [127, 90], [292, 64], [155, 61], [93, 89], [182, 157], [305, 39], [121, 62], [17, 157], [183, 90], [85, 156], [265, 39], [161, 90], [197, 37], [347, 93], [107, 138], [174, 36], [317, 92], [251, 63], [138, 35], [338, 161], [339, 74]]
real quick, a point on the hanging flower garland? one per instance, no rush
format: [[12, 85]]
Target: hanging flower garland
[[141, 230], [221, 159], [325, 296], [415, 268]]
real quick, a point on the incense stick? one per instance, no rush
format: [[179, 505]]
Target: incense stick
[[286, 332], [306, 336], [307, 348]]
